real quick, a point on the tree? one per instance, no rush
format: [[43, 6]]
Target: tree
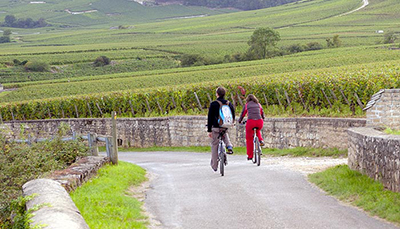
[[336, 41], [5, 39], [389, 38], [263, 42], [7, 32], [10, 20], [101, 61]]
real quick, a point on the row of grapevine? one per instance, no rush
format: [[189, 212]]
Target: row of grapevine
[[325, 91]]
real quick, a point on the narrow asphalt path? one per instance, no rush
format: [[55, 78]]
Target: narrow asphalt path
[[185, 193]]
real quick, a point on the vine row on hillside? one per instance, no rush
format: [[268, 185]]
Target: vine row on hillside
[[299, 93]]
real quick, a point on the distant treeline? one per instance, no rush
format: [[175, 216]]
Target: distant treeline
[[239, 4], [12, 21]]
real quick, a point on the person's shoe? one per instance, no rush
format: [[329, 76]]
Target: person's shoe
[[248, 158], [214, 170], [262, 143], [230, 150]]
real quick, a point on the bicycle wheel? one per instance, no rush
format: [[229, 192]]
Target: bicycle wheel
[[255, 150], [258, 154], [221, 163]]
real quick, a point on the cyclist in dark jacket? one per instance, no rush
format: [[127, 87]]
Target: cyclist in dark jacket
[[214, 129], [255, 114]]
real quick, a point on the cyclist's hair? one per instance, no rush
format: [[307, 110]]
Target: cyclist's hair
[[221, 91], [251, 97]]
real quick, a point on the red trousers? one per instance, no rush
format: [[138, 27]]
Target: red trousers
[[251, 123]]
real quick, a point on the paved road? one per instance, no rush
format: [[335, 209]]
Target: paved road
[[185, 193]]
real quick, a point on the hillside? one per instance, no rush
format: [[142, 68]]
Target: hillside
[[146, 57], [238, 4], [100, 13]]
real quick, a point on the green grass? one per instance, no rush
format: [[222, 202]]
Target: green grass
[[295, 152], [360, 190], [392, 131], [105, 201]]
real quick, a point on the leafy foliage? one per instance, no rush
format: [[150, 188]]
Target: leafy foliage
[[12, 21], [36, 66], [102, 61], [20, 163], [263, 42], [389, 38]]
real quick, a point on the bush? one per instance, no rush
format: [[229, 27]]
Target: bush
[[18, 62], [191, 60], [20, 163], [295, 48], [313, 46], [5, 39], [101, 61], [389, 38], [37, 66]]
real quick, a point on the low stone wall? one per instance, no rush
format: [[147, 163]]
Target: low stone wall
[[58, 211], [375, 154], [191, 131]]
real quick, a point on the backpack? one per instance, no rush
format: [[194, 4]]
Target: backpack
[[225, 118]]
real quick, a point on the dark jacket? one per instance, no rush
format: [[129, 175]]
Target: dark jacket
[[213, 113]]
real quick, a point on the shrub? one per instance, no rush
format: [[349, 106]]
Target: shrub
[[37, 66], [295, 48], [101, 61], [389, 38], [192, 59], [5, 39], [20, 163], [313, 46]]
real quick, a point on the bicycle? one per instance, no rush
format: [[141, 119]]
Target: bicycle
[[222, 156], [256, 147]]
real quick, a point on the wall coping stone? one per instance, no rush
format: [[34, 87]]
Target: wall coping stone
[[59, 211], [189, 117], [373, 133]]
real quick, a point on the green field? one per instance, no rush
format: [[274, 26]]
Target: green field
[[146, 56]]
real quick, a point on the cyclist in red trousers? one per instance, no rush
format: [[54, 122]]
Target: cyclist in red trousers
[[255, 114]]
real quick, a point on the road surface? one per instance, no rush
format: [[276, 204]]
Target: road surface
[[185, 193]]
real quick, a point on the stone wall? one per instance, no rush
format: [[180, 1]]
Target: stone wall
[[58, 210], [191, 131], [375, 154], [384, 109]]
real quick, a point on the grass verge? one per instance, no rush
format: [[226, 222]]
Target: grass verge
[[360, 190], [105, 201], [296, 152]]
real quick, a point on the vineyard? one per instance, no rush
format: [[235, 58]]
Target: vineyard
[[342, 91], [145, 77], [182, 76]]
